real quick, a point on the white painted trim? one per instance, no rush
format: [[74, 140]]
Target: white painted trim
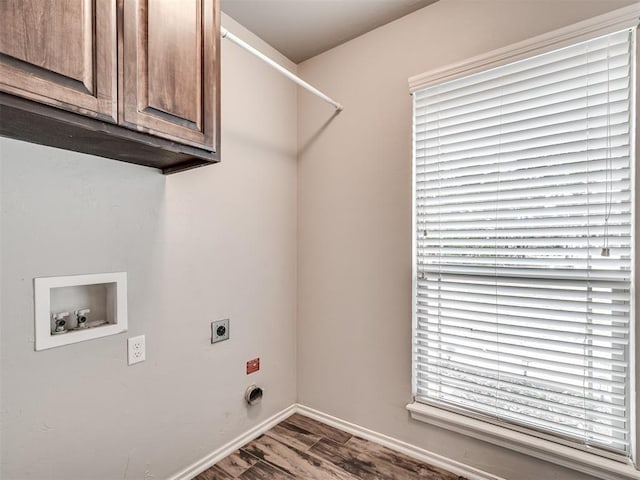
[[552, 452], [414, 250], [398, 445], [635, 187], [616, 20], [116, 304], [214, 457]]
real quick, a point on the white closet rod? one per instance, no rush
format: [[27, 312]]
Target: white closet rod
[[230, 36]]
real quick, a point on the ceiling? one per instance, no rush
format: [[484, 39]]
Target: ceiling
[[301, 29]]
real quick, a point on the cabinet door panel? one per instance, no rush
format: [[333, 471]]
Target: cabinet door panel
[[170, 69], [61, 52]]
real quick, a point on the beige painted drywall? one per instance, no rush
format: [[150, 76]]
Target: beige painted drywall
[[211, 243], [354, 216]]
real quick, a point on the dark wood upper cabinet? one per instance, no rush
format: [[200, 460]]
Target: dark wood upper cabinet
[[61, 53], [133, 80], [170, 52]]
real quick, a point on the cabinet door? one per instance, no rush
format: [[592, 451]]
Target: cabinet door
[[171, 69], [62, 53]]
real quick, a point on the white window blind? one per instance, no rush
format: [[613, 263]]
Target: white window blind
[[523, 248]]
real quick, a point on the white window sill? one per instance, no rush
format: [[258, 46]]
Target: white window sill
[[568, 457]]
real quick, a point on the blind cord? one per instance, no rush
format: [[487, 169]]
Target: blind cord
[[608, 165]]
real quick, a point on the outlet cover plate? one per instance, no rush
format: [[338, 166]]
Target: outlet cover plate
[[220, 330], [136, 348]]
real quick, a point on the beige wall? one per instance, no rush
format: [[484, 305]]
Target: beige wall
[[354, 216], [211, 243]]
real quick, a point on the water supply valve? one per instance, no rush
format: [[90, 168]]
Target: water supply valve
[[81, 317], [60, 323]]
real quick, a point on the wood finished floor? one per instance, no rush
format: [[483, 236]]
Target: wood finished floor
[[303, 449]]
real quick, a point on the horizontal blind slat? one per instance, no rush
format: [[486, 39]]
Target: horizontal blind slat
[[534, 417], [600, 394], [594, 417], [570, 363], [559, 395], [614, 311], [571, 374]]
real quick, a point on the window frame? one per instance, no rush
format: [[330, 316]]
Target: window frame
[[477, 426]]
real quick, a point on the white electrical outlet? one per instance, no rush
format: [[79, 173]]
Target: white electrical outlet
[[136, 349]]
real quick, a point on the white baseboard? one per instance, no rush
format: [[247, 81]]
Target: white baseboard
[[394, 444], [399, 446], [214, 457]]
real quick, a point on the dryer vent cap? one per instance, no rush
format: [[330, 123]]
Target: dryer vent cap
[[253, 395]]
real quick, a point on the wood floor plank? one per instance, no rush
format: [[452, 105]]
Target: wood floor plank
[[363, 464], [315, 427], [346, 459], [296, 463], [237, 463], [293, 436], [264, 471], [214, 473], [383, 455], [301, 448]]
